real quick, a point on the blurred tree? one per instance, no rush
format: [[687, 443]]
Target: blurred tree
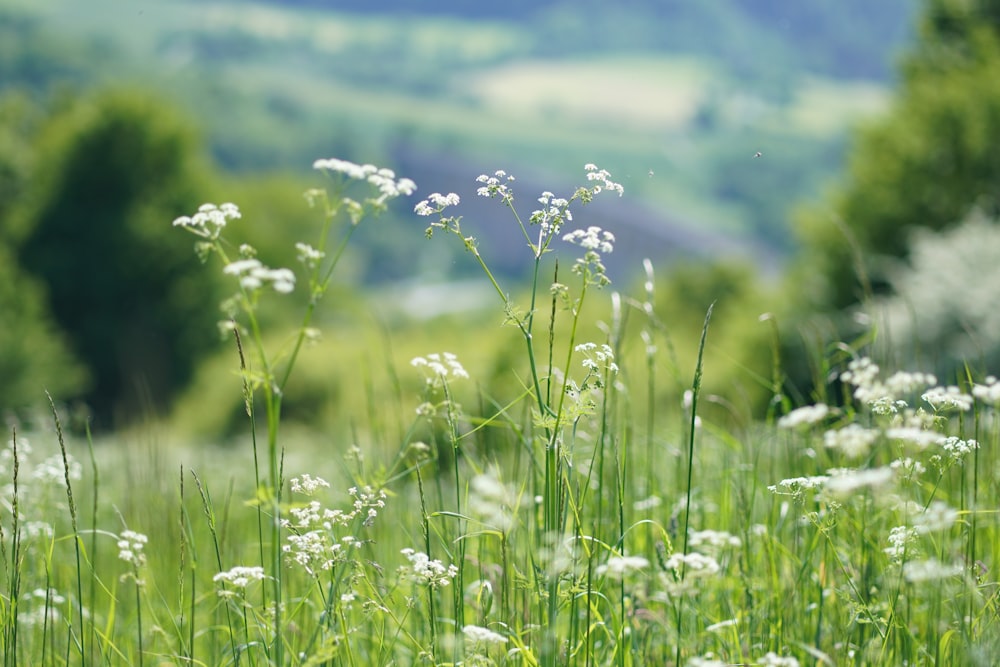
[[925, 165], [34, 354], [111, 173]]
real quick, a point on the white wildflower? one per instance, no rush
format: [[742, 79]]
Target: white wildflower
[[440, 367], [308, 484], [957, 449], [854, 441], [989, 391], [210, 219], [920, 438], [593, 238], [240, 576], [436, 203], [843, 483], [804, 416], [130, 547], [937, 517], [479, 635], [900, 539], [426, 572], [694, 564], [618, 566], [772, 659], [713, 540], [943, 398], [929, 570]]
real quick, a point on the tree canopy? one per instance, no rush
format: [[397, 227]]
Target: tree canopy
[[926, 164]]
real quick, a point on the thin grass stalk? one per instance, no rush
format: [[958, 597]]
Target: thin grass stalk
[[73, 520], [695, 391], [92, 589], [10, 656], [209, 510]]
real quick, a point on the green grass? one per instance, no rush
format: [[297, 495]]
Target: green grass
[[577, 520]]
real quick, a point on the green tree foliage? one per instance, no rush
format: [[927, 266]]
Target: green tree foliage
[[93, 225], [33, 352], [926, 164]]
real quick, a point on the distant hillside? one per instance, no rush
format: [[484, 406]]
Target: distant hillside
[[837, 38]]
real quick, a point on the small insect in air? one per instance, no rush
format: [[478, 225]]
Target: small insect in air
[[650, 173], [757, 154]]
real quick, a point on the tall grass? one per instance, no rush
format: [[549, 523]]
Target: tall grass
[[569, 524]]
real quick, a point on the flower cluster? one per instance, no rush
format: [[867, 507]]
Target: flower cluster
[[553, 214], [476, 634], [253, 275], [804, 416], [426, 572], [593, 238], [618, 566], [597, 358], [383, 179], [496, 186], [602, 175], [313, 542], [492, 502], [440, 367], [436, 203], [130, 549], [240, 576], [210, 219]]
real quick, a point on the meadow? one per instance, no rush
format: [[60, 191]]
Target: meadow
[[578, 519]]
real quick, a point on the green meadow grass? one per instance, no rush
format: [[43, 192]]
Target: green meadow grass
[[577, 520]]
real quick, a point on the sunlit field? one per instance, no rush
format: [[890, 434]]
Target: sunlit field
[[578, 519]]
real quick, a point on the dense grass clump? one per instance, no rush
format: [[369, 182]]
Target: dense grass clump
[[556, 527]]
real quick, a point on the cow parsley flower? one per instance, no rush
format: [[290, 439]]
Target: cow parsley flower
[[944, 398], [805, 416], [436, 203], [619, 566], [479, 635], [440, 367], [496, 186], [210, 220], [426, 572], [593, 238], [240, 576]]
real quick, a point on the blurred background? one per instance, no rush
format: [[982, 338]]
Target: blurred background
[[775, 156]]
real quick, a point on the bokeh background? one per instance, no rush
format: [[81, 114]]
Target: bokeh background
[[776, 157]]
